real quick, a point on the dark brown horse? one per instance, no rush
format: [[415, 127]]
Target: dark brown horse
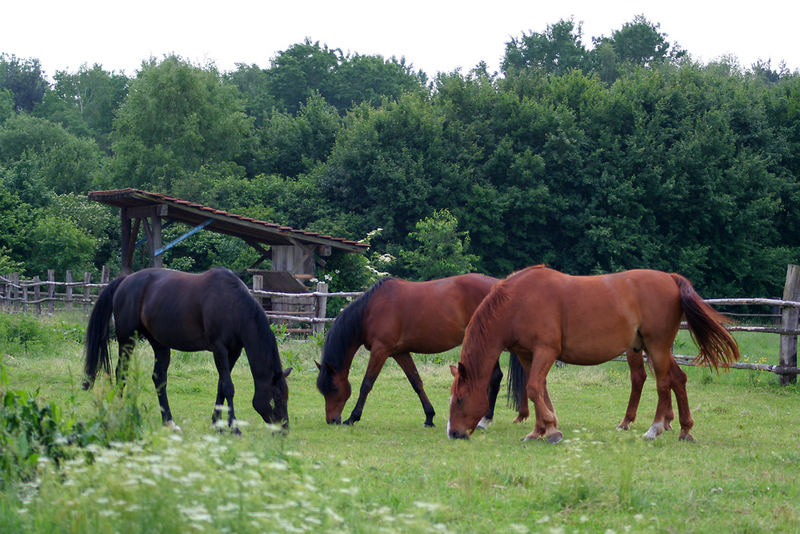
[[543, 315], [190, 312], [391, 320]]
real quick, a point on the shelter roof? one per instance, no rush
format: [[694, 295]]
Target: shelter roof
[[220, 221]]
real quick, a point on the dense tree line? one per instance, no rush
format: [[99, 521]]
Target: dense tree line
[[591, 158]]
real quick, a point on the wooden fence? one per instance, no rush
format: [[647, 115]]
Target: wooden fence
[[17, 295]]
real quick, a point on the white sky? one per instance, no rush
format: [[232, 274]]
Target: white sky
[[432, 35]]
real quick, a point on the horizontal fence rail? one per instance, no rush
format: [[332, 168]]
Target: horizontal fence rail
[[310, 308]]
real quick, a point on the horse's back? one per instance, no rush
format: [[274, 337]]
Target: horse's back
[[593, 318], [425, 317]]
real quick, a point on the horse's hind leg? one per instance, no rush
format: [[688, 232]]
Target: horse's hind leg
[[662, 360], [160, 382], [410, 369], [377, 357], [638, 378], [678, 382], [494, 390], [126, 346]]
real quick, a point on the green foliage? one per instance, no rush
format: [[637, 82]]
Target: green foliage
[[441, 249], [177, 118], [74, 248], [24, 78]]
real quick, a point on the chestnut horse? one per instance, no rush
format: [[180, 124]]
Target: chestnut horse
[[543, 315], [190, 312], [394, 318]]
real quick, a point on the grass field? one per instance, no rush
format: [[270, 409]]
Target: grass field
[[389, 474]]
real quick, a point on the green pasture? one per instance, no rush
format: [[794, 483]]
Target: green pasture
[[389, 474]]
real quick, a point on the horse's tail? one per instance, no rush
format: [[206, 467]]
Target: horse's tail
[[515, 394], [347, 330], [97, 334], [717, 346]]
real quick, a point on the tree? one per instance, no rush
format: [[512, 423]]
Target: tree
[[176, 119], [96, 95], [298, 71], [24, 78], [556, 51], [441, 250]]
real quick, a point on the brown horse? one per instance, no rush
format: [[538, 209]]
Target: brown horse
[[544, 315], [190, 312], [394, 318]]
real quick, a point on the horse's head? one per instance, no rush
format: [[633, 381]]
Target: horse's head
[[271, 401], [335, 387], [467, 404]]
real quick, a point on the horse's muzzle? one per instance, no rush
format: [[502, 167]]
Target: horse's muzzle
[[456, 434]]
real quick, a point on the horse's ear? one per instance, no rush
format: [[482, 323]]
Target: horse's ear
[[319, 367], [286, 372], [462, 371], [459, 371]]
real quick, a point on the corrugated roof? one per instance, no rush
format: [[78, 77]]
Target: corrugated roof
[[222, 221]]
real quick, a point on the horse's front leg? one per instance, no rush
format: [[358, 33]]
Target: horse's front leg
[[225, 389], [162, 357], [377, 357], [494, 390], [219, 404], [407, 365], [546, 422]]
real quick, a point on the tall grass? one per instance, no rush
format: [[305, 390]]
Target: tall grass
[[389, 474]]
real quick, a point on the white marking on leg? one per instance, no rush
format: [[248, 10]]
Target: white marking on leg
[[172, 426], [484, 423], [655, 430]]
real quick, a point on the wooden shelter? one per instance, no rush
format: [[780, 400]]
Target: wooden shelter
[[292, 251]]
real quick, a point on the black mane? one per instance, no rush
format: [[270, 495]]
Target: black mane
[[347, 329]]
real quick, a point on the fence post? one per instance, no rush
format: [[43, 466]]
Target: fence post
[[87, 296], [37, 294], [104, 276], [789, 320], [318, 327], [68, 291], [24, 297], [15, 292], [51, 291]]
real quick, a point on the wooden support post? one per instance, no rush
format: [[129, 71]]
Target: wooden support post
[[789, 320], [68, 291], [156, 241], [127, 238], [87, 279], [317, 327], [37, 295], [258, 285], [51, 291], [104, 275]]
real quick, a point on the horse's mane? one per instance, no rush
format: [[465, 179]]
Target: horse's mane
[[481, 326], [347, 329]]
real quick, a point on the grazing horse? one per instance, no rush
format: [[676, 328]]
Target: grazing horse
[[543, 315], [211, 311], [394, 318]]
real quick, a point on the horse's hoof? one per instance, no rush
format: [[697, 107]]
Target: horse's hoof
[[484, 423], [622, 426], [555, 438], [687, 437], [235, 431], [172, 426], [429, 424]]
